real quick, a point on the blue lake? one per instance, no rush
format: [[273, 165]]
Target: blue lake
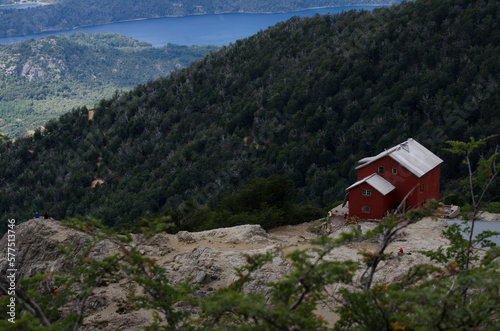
[[218, 30]]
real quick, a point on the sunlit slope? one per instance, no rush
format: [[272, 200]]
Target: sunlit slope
[[42, 79]]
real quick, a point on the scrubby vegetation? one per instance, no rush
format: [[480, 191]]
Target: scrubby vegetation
[[268, 202]]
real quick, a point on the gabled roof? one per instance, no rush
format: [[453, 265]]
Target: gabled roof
[[377, 182], [411, 155]]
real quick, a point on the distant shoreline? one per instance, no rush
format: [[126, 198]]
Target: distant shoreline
[[238, 12], [219, 13], [56, 29], [27, 3]]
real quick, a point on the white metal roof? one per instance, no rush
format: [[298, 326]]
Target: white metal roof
[[377, 182], [411, 155]]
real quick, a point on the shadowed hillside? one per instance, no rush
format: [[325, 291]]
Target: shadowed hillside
[[306, 98]]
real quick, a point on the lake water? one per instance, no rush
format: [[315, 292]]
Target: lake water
[[217, 30], [480, 227]]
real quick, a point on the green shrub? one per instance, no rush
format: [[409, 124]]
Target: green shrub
[[493, 207]]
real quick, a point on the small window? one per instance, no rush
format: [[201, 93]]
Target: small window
[[366, 192], [421, 188], [380, 170], [394, 171], [365, 209]]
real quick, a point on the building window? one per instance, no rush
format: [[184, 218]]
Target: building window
[[380, 170], [365, 209], [394, 171], [366, 192], [421, 188]]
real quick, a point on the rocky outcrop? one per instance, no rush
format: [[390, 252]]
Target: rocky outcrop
[[208, 258], [37, 249], [247, 234], [489, 217]]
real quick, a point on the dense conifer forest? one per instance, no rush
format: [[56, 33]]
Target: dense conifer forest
[[42, 79], [68, 14], [301, 101]]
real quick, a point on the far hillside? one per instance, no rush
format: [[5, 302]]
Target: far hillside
[[42, 79]]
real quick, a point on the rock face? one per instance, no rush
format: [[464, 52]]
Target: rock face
[[37, 246], [208, 258]]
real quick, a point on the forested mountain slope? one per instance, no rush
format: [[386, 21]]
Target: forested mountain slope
[[306, 98], [42, 79], [68, 14]]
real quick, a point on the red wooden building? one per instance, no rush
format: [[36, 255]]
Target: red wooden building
[[405, 174]]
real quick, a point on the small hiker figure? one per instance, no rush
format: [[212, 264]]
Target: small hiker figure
[[400, 253], [37, 215], [46, 216]]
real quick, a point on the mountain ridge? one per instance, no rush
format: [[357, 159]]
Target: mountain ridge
[[306, 99]]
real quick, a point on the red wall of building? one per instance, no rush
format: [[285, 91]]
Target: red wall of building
[[405, 181], [377, 202], [431, 185]]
